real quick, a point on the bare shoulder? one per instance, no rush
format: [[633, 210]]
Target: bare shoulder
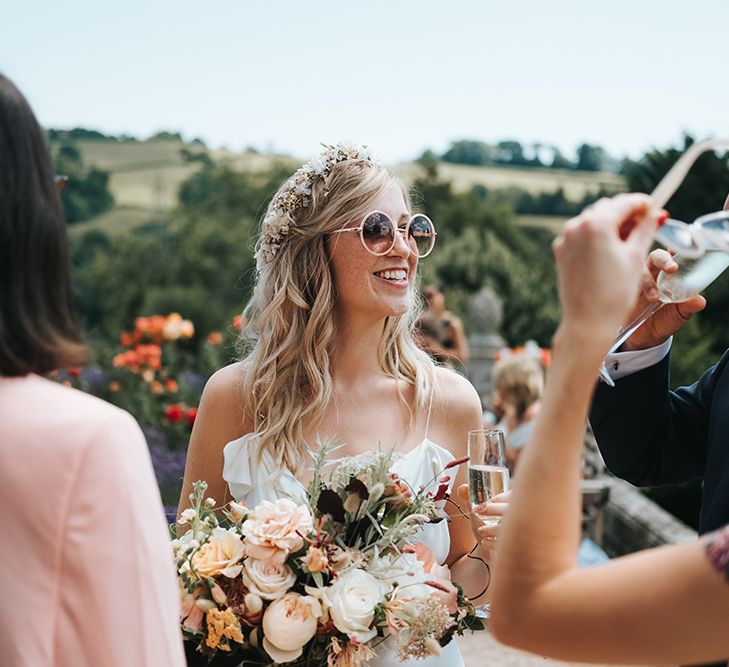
[[224, 412], [456, 411], [224, 389], [221, 418], [455, 394]]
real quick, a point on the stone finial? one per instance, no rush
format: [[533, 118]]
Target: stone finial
[[486, 311]]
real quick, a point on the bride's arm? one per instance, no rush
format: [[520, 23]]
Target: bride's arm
[[220, 419], [457, 410]]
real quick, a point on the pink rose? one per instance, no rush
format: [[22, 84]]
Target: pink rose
[[273, 530], [190, 613], [446, 592], [266, 578], [288, 624]]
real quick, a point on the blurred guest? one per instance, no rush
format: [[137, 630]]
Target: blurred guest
[[518, 383], [442, 334], [87, 574]]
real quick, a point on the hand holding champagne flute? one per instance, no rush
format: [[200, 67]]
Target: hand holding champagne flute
[[488, 475]]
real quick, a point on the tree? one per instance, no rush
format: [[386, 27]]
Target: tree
[[511, 152], [469, 152], [590, 158], [87, 193], [559, 161], [479, 244]]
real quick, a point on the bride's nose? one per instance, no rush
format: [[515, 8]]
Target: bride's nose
[[402, 247]]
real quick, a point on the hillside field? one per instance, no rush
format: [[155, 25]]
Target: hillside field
[[145, 177]]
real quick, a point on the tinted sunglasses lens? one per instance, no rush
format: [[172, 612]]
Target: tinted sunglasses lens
[[422, 234], [378, 233]]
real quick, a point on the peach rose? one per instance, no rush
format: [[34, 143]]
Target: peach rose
[[273, 530], [266, 578], [288, 624], [316, 559], [220, 554]]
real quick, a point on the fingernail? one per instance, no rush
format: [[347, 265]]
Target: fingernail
[[480, 509], [662, 218]]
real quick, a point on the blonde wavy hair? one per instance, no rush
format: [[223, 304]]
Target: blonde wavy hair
[[288, 342], [520, 381]]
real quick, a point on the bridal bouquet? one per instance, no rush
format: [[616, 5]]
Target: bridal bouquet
[[324, 581]]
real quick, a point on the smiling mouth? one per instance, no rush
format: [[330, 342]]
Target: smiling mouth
[[397, 276]]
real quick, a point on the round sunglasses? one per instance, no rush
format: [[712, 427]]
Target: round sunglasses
[[378, 233]]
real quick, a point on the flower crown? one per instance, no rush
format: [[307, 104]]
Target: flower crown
[[296, 194]]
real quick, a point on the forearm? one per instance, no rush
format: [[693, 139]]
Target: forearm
[[542, 531]]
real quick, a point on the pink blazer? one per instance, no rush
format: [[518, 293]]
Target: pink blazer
[[86, 573]]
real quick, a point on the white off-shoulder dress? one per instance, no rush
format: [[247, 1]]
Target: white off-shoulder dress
[[253, 476]]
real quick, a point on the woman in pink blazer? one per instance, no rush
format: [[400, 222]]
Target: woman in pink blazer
[[87, 576]]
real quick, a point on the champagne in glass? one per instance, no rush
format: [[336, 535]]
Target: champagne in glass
[[693, 276], [487, 472], [487, 477]]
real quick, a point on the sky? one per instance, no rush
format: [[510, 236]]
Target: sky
[[399, 75]]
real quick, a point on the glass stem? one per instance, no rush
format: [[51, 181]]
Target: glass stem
[[627, 331]]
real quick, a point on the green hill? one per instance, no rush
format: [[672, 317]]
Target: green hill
[[145, 177]]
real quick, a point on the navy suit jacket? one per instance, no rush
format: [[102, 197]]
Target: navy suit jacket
[[651, 436]]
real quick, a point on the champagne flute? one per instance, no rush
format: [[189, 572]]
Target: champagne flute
[[487, 477], [702, 248], [487, 472]]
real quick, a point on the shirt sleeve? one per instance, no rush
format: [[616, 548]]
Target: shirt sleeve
[[717, 551], [118, 594], [620, 364]]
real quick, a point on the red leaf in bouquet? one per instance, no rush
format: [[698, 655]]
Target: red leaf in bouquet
[[441, 493], [456, 462]]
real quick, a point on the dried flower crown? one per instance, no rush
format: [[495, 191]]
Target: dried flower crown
[[296, 194]]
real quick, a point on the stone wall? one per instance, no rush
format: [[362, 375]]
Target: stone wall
[[633, 522]]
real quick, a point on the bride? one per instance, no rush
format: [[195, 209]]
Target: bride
[[332, 314]]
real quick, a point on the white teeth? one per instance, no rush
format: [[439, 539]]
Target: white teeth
[[398, 276]]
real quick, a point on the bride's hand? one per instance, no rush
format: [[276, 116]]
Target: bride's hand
[[487, 536]]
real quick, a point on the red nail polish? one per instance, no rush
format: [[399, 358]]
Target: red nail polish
[[662, 218]]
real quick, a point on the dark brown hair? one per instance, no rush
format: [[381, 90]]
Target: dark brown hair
[[38, 330]]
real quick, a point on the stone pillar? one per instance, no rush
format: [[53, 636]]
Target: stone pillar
[[485, 317]]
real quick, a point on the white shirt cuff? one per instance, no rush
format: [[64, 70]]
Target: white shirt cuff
[[620, 364]]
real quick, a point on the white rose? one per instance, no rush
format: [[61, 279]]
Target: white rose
[[267, 579], [288, 624], [351, 602]]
